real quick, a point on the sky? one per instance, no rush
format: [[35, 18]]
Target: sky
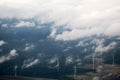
[[83, 17]]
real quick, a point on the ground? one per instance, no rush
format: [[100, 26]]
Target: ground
[[108, 71]]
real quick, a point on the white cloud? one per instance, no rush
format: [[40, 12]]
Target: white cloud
[[25, 24], [29, 47], [2, 42], [53, 33], [77, 33], [113, 30], [53, 60], [118, 38], [85, 50], [4, 25], [30, 62], [97, 41], [101, 48], [13, 52], [81, 43], [69, 60], [67, 49], [77, 15], [11, 55]]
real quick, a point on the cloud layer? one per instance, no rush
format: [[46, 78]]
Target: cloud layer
[[83, 17]]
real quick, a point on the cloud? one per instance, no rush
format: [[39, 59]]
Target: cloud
[[2, 42], [13, 52], [118, 38], [53, 60], [30, 62], [67, 49], [81, 43], [11, 55], [4, 25], [29, 47], [73, 35], [83, 17], [53, 33], [25, 24], [101, 48], [113, 30], [97, 42], [69, 60]]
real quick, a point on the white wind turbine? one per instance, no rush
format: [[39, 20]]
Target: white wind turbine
[[93, 60], [75, 71], [113, 59], [58, 64], [75, 67], [15, 68]]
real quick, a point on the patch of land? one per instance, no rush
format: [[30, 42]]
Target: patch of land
[[109, 72], [22, 78]]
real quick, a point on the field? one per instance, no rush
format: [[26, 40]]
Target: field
[[108, 69], [22, 78]]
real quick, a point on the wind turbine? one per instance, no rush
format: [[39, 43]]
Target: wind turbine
[[93, 59], [75, 71], [58, 64], [113, 59], [15, 68], [75, 68]]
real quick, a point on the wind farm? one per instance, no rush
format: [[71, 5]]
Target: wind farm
[[59, 39]]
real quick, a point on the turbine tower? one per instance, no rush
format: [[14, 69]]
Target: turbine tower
[[15, 68], [58, 64], [113, 59], [75, 71], [93, 59]]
